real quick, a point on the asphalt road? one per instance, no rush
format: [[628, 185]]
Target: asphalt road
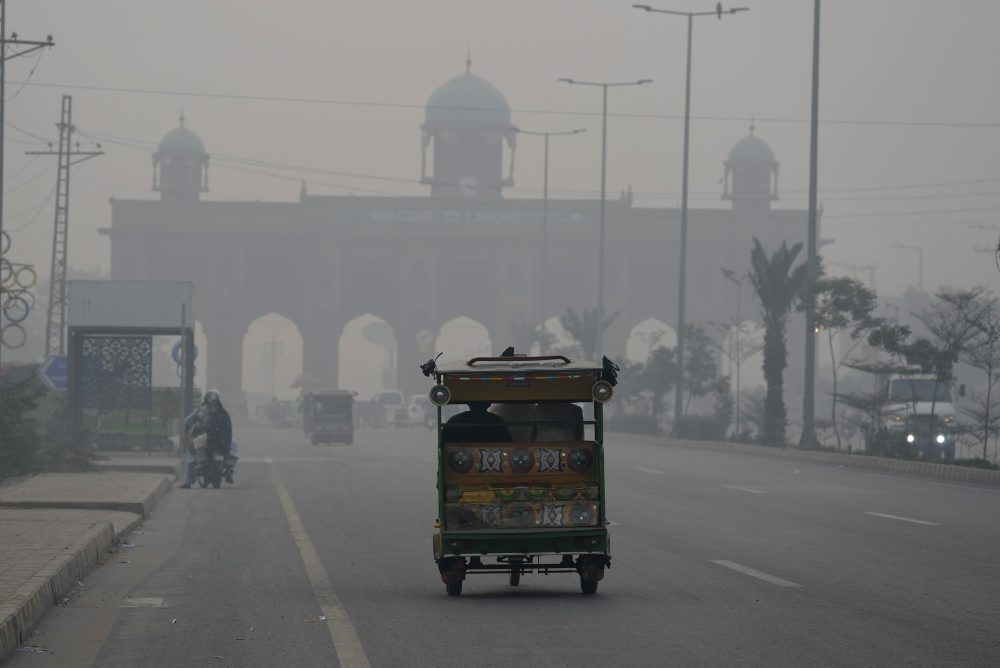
[[321, 556]]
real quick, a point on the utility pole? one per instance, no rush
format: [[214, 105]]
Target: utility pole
[[272, 349], [55, 327], [808, 438], [18, 47]]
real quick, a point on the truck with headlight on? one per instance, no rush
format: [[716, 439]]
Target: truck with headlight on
[[921, 413]]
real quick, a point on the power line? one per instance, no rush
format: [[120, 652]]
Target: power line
[[525, 110]]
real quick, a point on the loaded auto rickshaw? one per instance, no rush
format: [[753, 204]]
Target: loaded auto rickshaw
[[327, 416], [520, 476]]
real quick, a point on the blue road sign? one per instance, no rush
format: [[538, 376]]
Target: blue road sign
[[54, 372]]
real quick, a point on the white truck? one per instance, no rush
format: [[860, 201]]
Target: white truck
[[921, 411]]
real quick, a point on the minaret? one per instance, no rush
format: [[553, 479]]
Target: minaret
[[751, 176], [466, 123], [180, 165]]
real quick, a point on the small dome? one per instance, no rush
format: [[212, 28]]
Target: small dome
[[467, 99], [751, 149], [181, 141]]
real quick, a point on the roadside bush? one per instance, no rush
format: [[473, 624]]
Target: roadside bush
[[20, 442]]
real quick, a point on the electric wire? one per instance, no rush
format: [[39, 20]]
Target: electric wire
[[559, 112]]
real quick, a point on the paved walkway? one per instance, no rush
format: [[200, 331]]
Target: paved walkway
[[54, 527]]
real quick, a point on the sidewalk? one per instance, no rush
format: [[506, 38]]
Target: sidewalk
[[55, 526]]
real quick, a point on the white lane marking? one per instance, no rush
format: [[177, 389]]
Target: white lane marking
[[346, 642], [901, 519], [745, 489], [754, 573], [654, 471]]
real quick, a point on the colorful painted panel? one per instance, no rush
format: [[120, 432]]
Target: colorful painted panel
[[518, 515], [525, 463]]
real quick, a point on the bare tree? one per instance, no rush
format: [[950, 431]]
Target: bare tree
[[843, 304]]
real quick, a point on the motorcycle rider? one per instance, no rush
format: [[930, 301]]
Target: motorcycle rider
[[212, 421]]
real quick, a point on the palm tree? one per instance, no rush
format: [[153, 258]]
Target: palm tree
[[583, 327], [777, 285]]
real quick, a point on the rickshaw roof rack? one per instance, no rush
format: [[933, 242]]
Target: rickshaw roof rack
[[520, 364]]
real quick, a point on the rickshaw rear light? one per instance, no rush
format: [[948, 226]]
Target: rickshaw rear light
[[602, 391], [588, 541], [459, 545], [440, 395]]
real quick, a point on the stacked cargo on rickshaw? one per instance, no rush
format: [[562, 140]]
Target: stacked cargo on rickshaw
[[522, 485]]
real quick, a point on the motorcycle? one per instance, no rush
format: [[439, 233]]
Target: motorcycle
[[211, 466]]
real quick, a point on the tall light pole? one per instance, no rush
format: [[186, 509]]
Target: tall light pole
[[604, 169], [545, 210], [738, 282], [682, 281], [920, 262], [812, 263]]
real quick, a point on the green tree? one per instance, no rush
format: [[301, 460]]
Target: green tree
[[660, 376], [843, 303], [777, 284], [700, 370], [586, 327]]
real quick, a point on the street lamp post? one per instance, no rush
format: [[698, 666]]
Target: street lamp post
[[604, 164], [682, 281], [738, 282], [920, 262], [545, 210]]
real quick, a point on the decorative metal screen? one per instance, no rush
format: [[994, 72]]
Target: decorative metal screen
[[117, 372]]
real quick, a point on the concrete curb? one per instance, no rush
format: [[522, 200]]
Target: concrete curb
[[40, 594], [883, 464], [140, 507], [176, 470]]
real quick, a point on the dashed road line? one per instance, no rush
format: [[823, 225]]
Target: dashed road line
[[653, 471], [745, 489], [347, 644], [754, 573], [901, 519]]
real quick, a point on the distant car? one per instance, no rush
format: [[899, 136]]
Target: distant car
[[388, 409], [421, 411]]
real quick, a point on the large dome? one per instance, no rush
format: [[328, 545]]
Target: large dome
[[181, 141], [467, 99], [751, 149]]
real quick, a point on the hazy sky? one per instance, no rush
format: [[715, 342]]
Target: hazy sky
[[894, 63]]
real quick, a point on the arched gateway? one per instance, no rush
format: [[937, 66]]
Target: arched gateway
[[420, 262]]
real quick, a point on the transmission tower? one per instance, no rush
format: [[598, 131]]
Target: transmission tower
[[55, 327], [10, 47]]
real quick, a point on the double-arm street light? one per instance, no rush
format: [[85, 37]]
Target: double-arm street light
[[604, 165], [545, 208], [682, 282]]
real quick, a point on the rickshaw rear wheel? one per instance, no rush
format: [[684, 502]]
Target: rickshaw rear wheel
[[515, 575], [588, 586], [453, 588]]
